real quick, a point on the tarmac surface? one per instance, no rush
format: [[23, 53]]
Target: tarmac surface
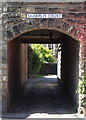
[[43, 98]]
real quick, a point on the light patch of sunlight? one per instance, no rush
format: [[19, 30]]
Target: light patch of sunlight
[[50, 76], [46, 115]]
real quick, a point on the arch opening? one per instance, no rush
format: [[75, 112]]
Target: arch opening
[[18, 70]]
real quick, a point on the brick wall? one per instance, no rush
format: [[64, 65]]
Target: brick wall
[[49, 68], [24, 63], [72, 22], [14, 69], [14, 23], [70, 68]]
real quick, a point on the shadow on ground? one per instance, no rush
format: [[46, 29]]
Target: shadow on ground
[[42, 96]]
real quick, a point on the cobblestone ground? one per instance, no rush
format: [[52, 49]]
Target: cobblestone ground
[[43, 98]]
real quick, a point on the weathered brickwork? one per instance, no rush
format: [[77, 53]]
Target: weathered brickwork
[[73, 21], [15, 22], [0, 60]]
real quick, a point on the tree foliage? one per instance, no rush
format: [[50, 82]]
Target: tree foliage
[[38, 54]]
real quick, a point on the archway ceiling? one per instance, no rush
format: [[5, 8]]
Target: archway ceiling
[[42, 36]]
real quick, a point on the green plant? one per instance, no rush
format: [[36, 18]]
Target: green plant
[[45, 55], [38, 55], [34, 63], [82, 90], [82, 85], [83, 101]]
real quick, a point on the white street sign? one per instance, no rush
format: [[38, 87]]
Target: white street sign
[[44, 15]]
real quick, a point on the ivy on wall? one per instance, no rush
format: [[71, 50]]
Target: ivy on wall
[[82, 90]]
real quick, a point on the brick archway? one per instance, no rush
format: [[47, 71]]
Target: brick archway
[[58, 25], [74, 28]]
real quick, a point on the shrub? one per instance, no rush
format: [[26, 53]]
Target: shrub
[[38, 55], [45, 55], [34, 64]]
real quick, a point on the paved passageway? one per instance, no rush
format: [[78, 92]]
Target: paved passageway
[[43, 95]]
